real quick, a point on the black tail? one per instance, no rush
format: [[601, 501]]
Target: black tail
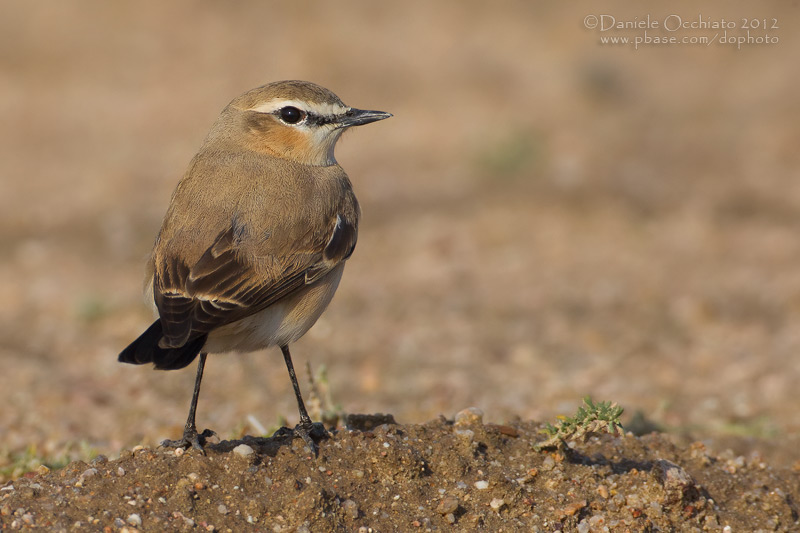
[[145, 349]]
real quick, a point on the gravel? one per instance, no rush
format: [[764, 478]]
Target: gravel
[[413, 477]]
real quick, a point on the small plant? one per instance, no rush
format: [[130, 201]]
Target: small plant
[[320, 402], [599, 417]]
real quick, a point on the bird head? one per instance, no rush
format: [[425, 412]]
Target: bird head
[[295, 120]]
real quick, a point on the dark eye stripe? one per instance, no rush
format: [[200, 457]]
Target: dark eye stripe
[[292, 116], [320, 120]]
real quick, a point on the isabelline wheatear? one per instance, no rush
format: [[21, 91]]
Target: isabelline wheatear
[[254, 242]]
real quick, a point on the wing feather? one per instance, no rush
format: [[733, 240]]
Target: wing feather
[[226, 284]]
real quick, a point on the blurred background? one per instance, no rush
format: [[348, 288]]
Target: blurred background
[[545, 217]]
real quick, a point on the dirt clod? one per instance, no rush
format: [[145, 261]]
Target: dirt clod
[[401, 477]]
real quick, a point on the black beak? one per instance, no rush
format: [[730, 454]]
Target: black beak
[[359, 117]]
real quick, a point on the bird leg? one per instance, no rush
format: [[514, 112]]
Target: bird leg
[[306, 428], [190, 435]]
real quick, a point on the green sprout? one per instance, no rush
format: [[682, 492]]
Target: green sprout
[[320, 401], [599, 417]]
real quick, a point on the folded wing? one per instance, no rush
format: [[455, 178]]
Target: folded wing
[[227, 284]]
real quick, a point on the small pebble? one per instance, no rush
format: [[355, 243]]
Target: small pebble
[[179, 452], [597, 520], [469, 416], [243, 450], [186, 520], [465, 434], [448, 505], [497, 503], [677, 482], [89, 472], [351, 508], [505, 430], [120, 471], [137, 448], [222, 509], [134, 520], [634, 500], [482, 485], [573, 508]]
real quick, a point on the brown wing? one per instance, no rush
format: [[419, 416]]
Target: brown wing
[[226, 285]]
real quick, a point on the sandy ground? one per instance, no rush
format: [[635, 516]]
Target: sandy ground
[[445, 475], [545, 217]]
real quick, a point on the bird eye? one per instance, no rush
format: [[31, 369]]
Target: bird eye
[[291, 115]]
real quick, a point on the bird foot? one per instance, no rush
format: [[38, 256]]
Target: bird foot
[[190, 439], [308, 432]]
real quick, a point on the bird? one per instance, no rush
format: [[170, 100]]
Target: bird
[[255, 238]]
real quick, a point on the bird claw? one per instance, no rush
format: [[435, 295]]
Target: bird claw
[[190, 439], [306, 431]]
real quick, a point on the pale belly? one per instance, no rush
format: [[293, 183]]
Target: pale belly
[[279, 324]]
